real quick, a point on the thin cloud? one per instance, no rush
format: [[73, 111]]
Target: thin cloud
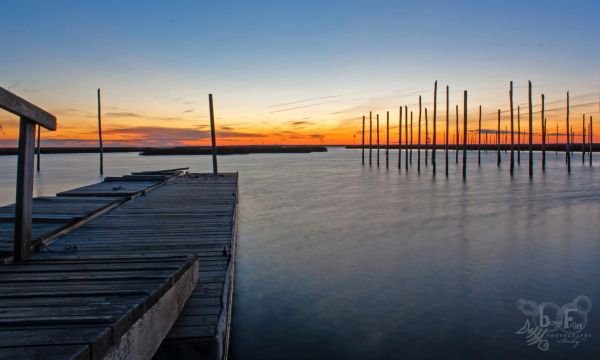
[[302, 107], [123, 114]]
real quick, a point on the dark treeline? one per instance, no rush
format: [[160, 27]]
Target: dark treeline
[[187, 150], [494, 147]]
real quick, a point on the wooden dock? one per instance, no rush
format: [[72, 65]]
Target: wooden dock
[[110, 266]]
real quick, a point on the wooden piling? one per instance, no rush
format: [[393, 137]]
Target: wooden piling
[[556, 140], [363, 140], [568, 145], [519, 135], [426, 138], [465, 136], [100, 134], [38, 149], [387, 140], [447, 125], [512, 132], [457, 134], [400, 139], [419, 140], [498, 140], [583, 141], [406, 137], [591, 140], [370, 138], [434, 126], [543, 135], [377, 140], [213, 135], [411, 136], [479, 139], [530, 132]]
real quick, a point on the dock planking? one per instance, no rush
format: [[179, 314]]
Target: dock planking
[[192, 214], [51, 216], [92, 308]]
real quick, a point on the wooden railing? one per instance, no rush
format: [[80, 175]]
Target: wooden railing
[[31, 116]]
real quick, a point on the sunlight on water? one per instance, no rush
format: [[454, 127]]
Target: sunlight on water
[[336, 260]]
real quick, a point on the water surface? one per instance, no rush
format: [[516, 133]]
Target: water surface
[[337, 260]]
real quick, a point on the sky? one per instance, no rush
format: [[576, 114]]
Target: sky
[[292, 72]]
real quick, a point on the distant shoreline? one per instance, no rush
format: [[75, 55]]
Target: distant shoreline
[[180, 150]]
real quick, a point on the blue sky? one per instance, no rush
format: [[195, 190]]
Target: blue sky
[[333, 60]]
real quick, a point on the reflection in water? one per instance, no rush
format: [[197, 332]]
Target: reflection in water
[[336, 260]]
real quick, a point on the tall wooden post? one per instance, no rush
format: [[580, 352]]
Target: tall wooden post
[[512, 132], [530, 132], [583, 141], [479, 139], [419, 140], [387, 140], [363, 141], [519, 135], [543, 135], [30, 116], [370, 138], [38, 149], [406, 137], [426, 138], [100, 134], [591, 140], [457, 134], [568, 145], [434, 126], [22, 246], [377, 140], [447, 124], [213, 135], [411, 135], [465, 136], [400, 139], [498, 140]]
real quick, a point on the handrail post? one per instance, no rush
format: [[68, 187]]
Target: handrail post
[[24, 193], [212, 134]]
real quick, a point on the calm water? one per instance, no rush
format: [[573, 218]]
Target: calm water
[[336, 260]]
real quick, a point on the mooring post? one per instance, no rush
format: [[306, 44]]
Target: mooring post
[[498, 140], [479, 139], [411, 136], [377, 140], [530, 133], [419, 139], [434, 126], [583, 141], [370, 138], [30, 116], [543, 135], [213, 136], [406, 137], [512, 131], [100, 134], [568, 145], [426, 138], [457, 134], [465, 137], [387, 140], [38, 149], [400, 139], [591, 140], [447, 125], [363, 141], [519, 135]]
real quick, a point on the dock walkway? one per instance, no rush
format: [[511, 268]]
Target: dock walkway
[[183, 217]]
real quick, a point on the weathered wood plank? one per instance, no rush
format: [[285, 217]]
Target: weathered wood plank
[[23, 108]]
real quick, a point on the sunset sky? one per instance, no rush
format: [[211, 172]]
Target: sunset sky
[[289, 72]]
